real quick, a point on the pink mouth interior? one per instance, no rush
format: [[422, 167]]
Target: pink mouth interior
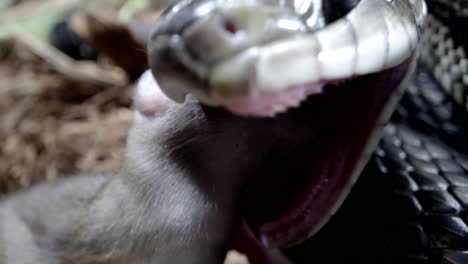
[[269, 104], [292, 194]]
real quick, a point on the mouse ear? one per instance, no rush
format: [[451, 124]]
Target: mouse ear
[[149, 100]]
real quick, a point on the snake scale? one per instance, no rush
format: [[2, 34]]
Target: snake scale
[[411, 203]]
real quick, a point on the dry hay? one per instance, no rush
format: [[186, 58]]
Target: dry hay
[[51, 125]]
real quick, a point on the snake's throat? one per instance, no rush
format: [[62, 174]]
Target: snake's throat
[[293, 198]]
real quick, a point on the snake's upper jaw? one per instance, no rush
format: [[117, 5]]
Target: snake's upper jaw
[[193, 37], [237, 53], [345, 48]]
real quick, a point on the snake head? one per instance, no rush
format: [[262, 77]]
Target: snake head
[[261, 57]]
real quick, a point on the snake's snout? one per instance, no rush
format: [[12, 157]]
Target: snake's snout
[[194, 37], [169, 57]]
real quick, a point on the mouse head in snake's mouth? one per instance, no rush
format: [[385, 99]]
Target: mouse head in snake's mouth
[[262, 57]]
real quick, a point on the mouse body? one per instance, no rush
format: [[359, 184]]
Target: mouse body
[[172, 201]]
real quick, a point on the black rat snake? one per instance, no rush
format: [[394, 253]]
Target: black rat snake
[[410, 204]]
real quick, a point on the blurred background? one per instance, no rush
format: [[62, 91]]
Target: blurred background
[[67, 69]]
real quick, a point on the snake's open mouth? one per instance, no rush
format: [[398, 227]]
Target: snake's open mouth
[[269, 104], [261, 58], [296, 192]]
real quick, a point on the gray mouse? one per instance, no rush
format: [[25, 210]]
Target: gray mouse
[[173, 200]]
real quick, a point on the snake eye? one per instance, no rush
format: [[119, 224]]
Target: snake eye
[[230, 26]]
